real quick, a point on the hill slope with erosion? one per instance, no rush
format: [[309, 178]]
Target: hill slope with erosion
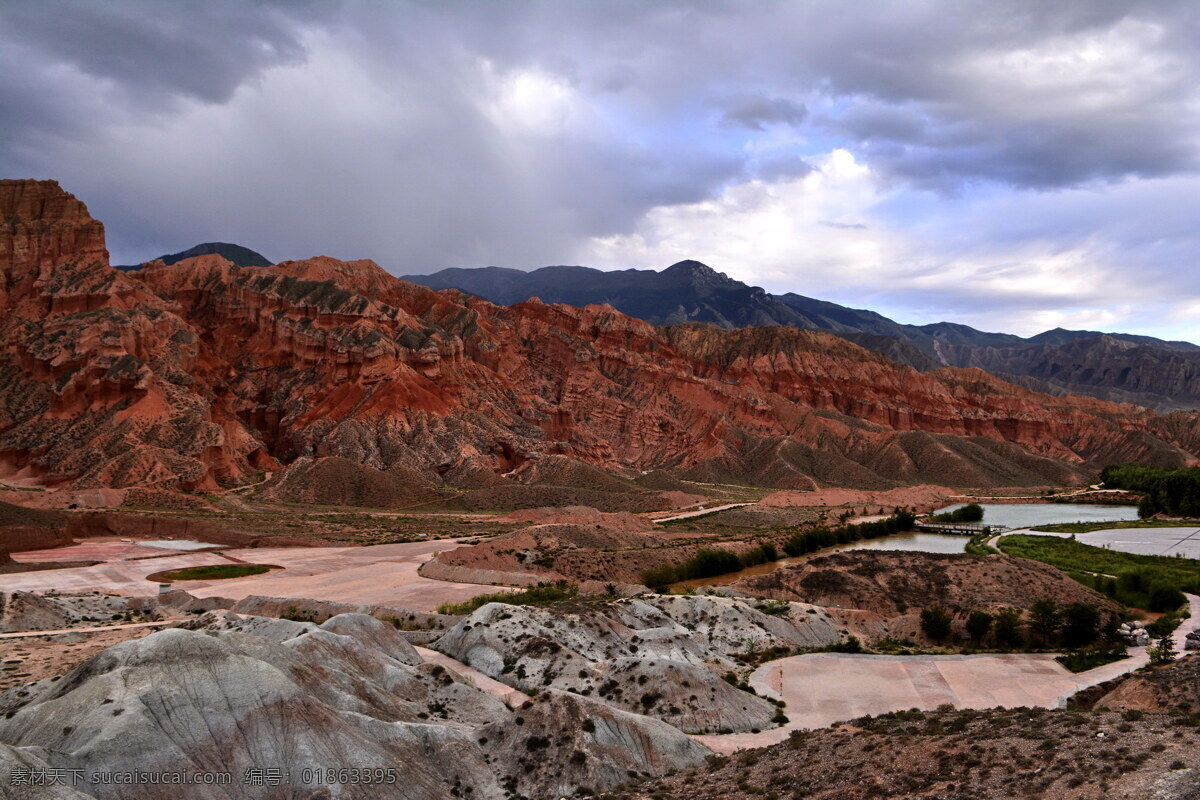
[[1111, 366], [957, 755], [243, 693], [202, 374], [893, 586]]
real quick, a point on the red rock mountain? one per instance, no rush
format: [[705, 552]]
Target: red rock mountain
[[204, 373]]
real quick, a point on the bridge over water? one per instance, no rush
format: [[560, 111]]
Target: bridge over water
[[960, 528]]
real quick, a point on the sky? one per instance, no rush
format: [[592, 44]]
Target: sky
[[1012, 165]]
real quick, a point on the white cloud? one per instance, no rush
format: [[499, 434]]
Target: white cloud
[[1000, 262]]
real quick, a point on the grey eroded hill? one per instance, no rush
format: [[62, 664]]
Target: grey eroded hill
[[657, 655], [238, 693]]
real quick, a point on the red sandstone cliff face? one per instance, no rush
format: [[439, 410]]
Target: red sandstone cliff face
[[202, 373]]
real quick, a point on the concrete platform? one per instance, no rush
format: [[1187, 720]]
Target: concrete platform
[[382, 574], [96, 550], [823, 688]]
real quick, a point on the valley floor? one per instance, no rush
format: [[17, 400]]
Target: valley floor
[[382, 574]]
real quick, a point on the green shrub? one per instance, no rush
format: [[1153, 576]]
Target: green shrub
[[936, 623], [978, 625], [541, 594], [971, 512]]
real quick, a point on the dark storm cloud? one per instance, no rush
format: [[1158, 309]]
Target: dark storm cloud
[[461, 133], [756, 113]]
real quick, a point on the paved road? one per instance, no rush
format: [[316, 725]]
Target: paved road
[[823, 688]]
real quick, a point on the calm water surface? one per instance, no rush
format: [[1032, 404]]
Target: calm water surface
[[178, 544], [1026, 515]]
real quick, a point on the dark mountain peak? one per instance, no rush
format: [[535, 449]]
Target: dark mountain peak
[[242, 256], [692, 267], [699, 274], [234, 253], [1064, 336]]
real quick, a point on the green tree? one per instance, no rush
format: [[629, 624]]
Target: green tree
[[1007, 628], [978, 625], [1081, 625], [1163, 652], [1045, 619], [935, 623], [1146, 507]]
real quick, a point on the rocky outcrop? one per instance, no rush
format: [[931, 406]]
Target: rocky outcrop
[[23, 529], [413, 625], [18, 765], [203, 373], [658, 655], [566, 741], [30, 611]]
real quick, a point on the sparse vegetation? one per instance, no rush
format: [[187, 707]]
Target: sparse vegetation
[[936, 623], [1163, 651], [541, 594], [708, 563], [1088, 527], [978, 625]]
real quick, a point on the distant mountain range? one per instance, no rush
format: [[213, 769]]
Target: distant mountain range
[[235, 253], [1159, 374]]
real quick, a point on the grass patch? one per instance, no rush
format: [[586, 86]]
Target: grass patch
[[541, 594], [1155, 583], [211, 573], [1088, 527], [978, 545]]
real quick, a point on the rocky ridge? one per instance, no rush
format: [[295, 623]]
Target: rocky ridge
[[203, 373]]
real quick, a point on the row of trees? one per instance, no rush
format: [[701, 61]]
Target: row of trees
[[710, 562], [1169, 490], [1047, 625], [813, 539]]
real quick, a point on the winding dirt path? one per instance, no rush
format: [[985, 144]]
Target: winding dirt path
[[701, 512]]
